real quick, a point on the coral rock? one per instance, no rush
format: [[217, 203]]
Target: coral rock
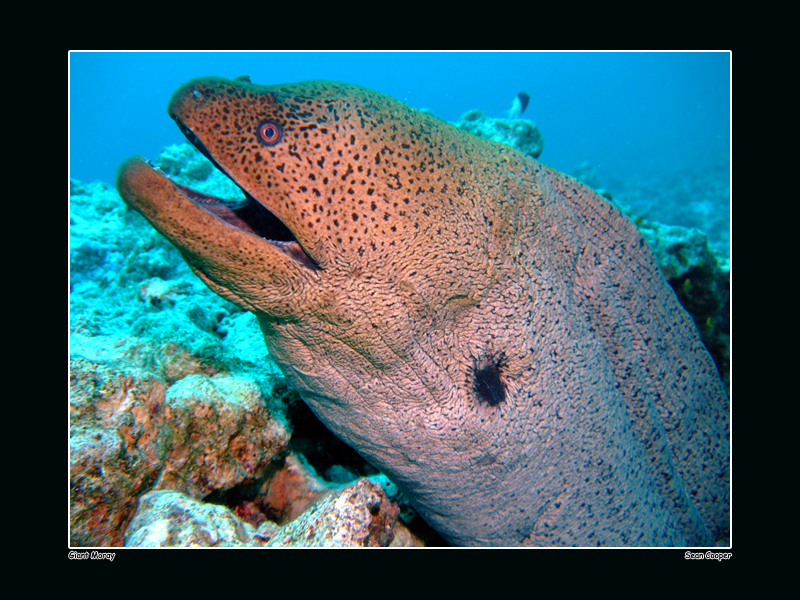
[[291, 489], [522, 134], [223, 435], [130, 434], [165, 518], [358, 515]]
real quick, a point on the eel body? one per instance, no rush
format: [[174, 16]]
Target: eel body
[[488, 332]]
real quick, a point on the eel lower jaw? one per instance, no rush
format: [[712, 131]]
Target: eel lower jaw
[[250, 215], [226, 256]]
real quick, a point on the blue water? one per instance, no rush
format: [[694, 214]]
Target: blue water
[[630, 115]]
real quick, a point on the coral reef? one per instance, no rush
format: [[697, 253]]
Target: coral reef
[[357, 516], [692, 198], [130, 433], [524, 135], [165, 518], [112, 459]]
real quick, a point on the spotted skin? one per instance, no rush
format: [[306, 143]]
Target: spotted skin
[[488, 332]]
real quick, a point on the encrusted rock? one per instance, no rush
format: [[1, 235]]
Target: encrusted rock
[[116, 449], [166, 518], [157, 292], [290, 490], [403, 538], [130, 434], [222, 436], [522, 134], [677, 249], [358, 515]]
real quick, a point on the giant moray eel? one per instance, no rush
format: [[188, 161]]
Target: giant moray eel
[[488, 332]]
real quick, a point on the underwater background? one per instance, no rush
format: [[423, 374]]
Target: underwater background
[[174, 401], [635, 118], [627, 114]]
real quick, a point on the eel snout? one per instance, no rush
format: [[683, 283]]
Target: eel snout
[[223, 244]]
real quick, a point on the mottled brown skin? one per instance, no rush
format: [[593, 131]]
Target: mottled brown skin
[[439, 255]]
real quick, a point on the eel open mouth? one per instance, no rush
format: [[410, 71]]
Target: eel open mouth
[[248, 214]]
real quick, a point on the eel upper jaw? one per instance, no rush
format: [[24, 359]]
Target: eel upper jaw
[[249, 215]]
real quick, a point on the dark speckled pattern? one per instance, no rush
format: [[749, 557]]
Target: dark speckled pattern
[[436, 253]]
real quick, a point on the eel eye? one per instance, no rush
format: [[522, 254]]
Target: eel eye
[[269, 133]]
